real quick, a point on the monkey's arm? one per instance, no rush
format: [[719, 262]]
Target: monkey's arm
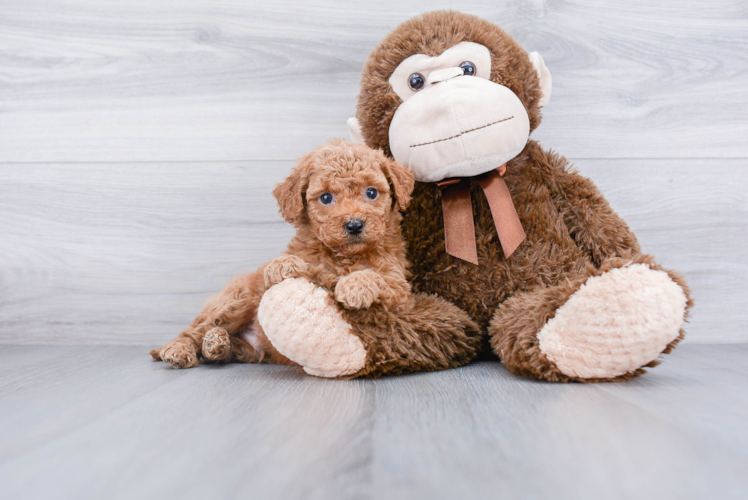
[[328, 340], [592, 223]]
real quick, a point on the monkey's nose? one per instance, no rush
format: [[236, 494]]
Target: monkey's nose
[[445, 74], [354, 226]]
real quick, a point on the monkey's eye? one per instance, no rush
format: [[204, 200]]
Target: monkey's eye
[[372, 193], [416, 82], [468, 68], [325, 198]]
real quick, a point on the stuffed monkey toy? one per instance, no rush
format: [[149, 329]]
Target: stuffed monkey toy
[[498, 226]]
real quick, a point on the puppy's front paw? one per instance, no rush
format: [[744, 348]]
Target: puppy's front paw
[[284, 267], [359, 289]]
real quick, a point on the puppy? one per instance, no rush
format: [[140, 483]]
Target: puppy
[[344, 200]]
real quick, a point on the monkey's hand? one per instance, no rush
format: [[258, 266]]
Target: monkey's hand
[[283, 267], [360, 289]]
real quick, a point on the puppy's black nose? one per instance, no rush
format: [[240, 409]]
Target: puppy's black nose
[[354, 226]]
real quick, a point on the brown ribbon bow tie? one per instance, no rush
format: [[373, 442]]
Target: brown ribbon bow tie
[[459, 228]]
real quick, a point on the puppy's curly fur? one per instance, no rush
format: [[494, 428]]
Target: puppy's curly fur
[[361, 268], [365, 268]]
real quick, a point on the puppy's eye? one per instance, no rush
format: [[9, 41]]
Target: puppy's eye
[[325, 198], [372, 193], [468, 68], [416, 82]]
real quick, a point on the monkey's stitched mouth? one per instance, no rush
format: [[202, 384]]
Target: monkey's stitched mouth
[[461, 133]]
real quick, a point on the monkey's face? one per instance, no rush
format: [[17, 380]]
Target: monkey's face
[[451, 95], [454, 121]]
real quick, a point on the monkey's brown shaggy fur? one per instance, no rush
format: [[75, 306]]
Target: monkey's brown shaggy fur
[[365, 273], [572, 232]]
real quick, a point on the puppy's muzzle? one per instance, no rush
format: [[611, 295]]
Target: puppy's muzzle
[[354, 227]]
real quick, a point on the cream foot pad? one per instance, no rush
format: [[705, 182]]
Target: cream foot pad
[[304, 325], [615, 323]]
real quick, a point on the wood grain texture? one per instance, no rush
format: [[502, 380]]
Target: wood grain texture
[[204, 80], [139, 142], [127, 253], [107, 422]]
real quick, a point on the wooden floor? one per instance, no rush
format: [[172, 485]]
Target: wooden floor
[[107, 422]]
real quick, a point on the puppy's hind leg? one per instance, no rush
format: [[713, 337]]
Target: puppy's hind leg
[[217, 345], [224, 314], [253, 346], [220, 347], [248, 346], [179, 353]]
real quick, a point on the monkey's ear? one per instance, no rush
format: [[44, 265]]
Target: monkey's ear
[[401, 180], [290, 193], [546, 82], [354, 129]]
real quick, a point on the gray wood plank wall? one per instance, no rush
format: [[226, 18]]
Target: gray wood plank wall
[[139, 142]]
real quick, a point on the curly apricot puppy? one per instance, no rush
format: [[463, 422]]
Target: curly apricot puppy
[[344, 200]]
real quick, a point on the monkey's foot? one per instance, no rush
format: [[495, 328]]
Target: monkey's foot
[[615, 323], [302, 323]]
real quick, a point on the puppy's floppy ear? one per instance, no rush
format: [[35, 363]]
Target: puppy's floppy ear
[[401, 180], [290, 193]]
